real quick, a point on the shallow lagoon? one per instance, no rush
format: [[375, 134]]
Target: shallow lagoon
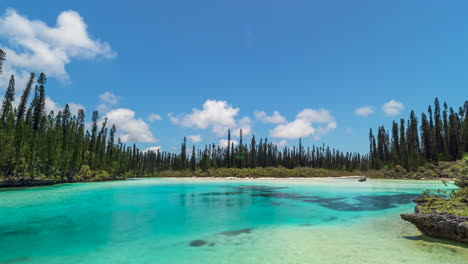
[[218, 221]]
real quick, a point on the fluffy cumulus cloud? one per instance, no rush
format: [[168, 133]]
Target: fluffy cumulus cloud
[[219, 116], [275, 118], [364, 111], [154, 117], [308, 122], [244, 124], [281, 144], [130, 128], [34, 46], [153, 149], [296, 129], [50, 105], [393, 108], [195, 138], [108, 100], [224, 142]]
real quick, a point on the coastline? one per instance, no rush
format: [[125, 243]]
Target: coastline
[[301, 178], [28, 182]]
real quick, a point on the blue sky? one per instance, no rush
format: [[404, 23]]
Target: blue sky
[[314, 62]]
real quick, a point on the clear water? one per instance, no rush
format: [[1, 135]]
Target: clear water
[[218, 221]]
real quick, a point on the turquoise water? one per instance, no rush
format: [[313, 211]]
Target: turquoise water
[[218, 221]]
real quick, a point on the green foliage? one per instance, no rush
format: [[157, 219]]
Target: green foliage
[[442, 135], [435, 204], [267, 172], [461, 174], [2, 59], [455, 201], [34, 143]]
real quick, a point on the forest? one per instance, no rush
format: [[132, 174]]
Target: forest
[[37, 144], [441, 135]]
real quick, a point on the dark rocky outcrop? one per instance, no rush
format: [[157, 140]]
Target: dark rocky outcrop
[[26, 182], [440, 225], [436, 223], [30, 182]]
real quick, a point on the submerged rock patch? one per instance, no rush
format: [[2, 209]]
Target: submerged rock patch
[[220, 193], [16, 260], [371, 202], [362, 203], [237, 232], [198, 243]]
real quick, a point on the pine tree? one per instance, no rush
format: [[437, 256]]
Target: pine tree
[[7, 105], [395, 143], [228, 151], [2, 59], [438, 130], [24, 98], [240, 152], [183, 154], [253, 153], [426, 137], [403, 146], [39, 102]]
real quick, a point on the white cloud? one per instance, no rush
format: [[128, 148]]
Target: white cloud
[[154, 117], [393, 108], [296, 129], [75, 107], [108, 100], [50, 105], [276, 118], [153, 149], [33, 46], [281, 144], [224, 142], [303, 125], [195, 138], [315, 116], [364, 111], [244, 124], [217, 115], [130, 129]]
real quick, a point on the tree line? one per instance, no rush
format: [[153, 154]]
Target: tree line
[[35, 143], [58, 145], [441, 134]]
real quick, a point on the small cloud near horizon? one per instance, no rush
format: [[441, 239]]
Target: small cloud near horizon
[[364, 111], [393, 108]]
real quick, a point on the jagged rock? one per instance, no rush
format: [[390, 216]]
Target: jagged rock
[[362, 179], [440, 225], [26, 182]]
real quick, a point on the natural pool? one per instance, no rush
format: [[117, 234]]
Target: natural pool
[[219, 221]]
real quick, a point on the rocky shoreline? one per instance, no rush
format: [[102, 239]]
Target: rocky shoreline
[[439, 225], [436, 224], [27, 182], [30, 182]]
